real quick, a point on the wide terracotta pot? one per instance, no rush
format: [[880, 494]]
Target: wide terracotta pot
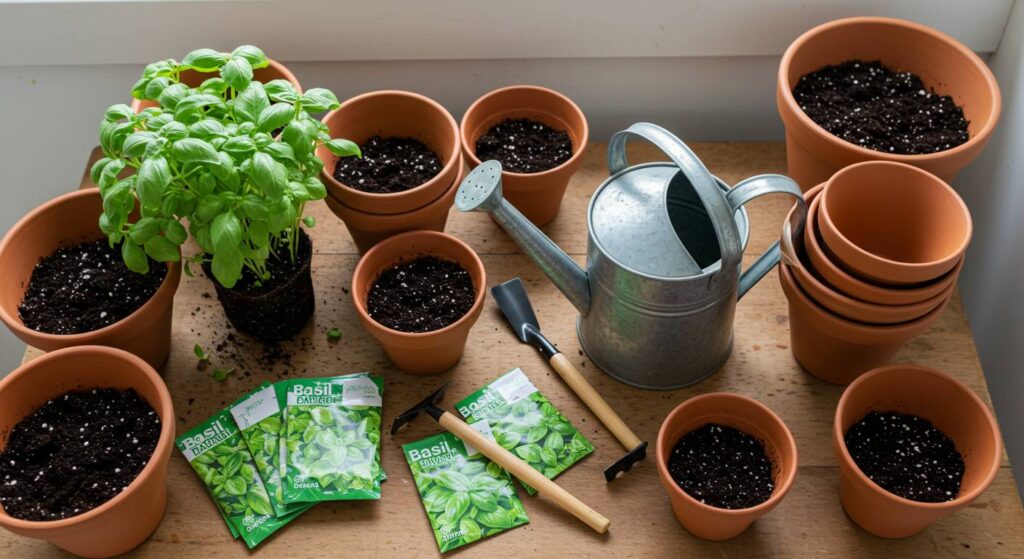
[[839, 350], [401, 114], [423, 353], [942, 62], [369, 229], [742, 413], [537, 195], [192, 78], [126, 520], [893, 224], [951, 407], [67, 220]]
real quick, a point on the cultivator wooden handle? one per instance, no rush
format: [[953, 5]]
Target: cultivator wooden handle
[[572, 376]]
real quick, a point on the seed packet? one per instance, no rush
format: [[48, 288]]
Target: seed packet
[[219, 456], [525, 423], [467, 497], [332, 438]]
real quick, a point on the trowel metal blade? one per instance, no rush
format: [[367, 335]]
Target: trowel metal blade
[[515, 305]]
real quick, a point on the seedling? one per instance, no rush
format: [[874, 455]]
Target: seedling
[[333, 335], [200, 354], [220, 375]]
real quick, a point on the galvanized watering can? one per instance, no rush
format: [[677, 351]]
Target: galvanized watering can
[[666, 240]]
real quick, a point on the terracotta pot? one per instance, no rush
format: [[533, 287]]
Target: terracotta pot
[[742, 413], [126, 520], [425, 353], [369, 229], [942, 62], [892, 223], [537, 195], [836, 349], [952, 407], [192, 78], [393, 113], [67, 220]]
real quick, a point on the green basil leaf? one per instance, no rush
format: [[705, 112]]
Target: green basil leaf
[[161, 249], [204, 60], [134, 257], [97, 169], [194, 150], [174, 131], [143, 230], [118, 112], [153, 177], [175, 231], [456, 506], [208, 128], [227, 267], [156, 86], [316, 189], [237, 72], [253, 54], [344, 148], [215, 86], [251, 102], [318, 99], [281, 90], [226, 232], [135, 144], [300, 134], [239, 145], [267, 174], [235, 485], [275, 116], [172, 95], [110, 172]]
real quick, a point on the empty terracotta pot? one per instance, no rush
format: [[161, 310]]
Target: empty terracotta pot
[[369, 229], [393, 114], [836, 349], [942, 62], [425, 353], [892, 223], [951, 407], [67, 220], [742, 413], [537, 195], [192, 78], [125, 521]]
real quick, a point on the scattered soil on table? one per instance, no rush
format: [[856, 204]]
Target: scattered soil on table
[[722, 467], [906, 455], [85, 287], [76, 452], [388, 165], [524, 146], [422, 295], [871, 106]]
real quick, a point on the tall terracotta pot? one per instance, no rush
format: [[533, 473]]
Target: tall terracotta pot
[[942, 62], [66, 220], [125, 521], [537, 195], [192, 78]]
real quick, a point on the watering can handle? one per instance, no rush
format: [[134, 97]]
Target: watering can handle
[[755, 187]]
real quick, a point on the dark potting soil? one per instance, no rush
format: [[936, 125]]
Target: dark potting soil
[[722, 467], [76, 452], [524, 146], [871, 106], [906, 455], [422, 295], [388, 165], [85, 287]]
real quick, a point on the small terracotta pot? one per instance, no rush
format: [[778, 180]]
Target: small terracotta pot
[[393, 113], [369, 229], [125, 521], [192, 78], [742, 413], [942, 62], [892, 223], [67, 220], [537, 195], [836, 349], [425, 353], [951, 407]]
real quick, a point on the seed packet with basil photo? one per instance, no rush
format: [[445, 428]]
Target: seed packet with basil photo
[[467, 497], [332, 438], [525, 423]]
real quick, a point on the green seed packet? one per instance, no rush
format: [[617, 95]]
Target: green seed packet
[[525, 423], [332, 438], [219, 456], [467, 497]]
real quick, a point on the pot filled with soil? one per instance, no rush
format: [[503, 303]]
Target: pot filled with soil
[[914, 444], [538, 135], [419, 294], [274, 71], [66, 286], [865, 88], [86, 434], [725, 460]]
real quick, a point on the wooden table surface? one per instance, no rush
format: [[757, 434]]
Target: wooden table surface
[[809, 523]]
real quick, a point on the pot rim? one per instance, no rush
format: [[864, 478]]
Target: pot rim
[[577, 155], [14, 322], [781, 489], [401, 238], [163, 446], [785, 93], [844, 453]]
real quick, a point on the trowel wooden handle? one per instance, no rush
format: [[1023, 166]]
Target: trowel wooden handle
[[594, 401], [517, 467]]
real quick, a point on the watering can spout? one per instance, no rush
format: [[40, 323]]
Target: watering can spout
[[480, 191]]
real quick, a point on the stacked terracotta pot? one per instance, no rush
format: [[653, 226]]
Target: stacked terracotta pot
[[876, 264]]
